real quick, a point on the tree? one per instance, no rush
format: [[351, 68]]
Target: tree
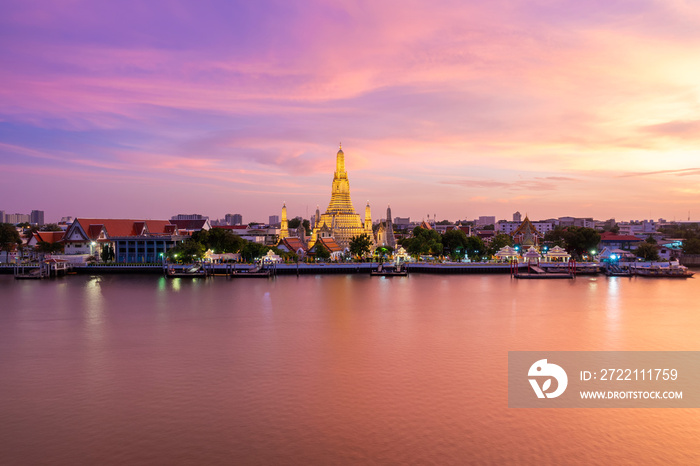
[[9, 238], [219, 240], [188, 251], [49, 248], [691, 246], [499, 241], [251, 251], [360, 245], [455, 242], [475, 248], [51, 227], [650, 239], [294, 223], [648, 252], [576, 240], [423, 241], [321, 252], [107, 254]]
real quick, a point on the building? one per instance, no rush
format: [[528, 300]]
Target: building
[[16, 218], [643, 228], [189, 217], [269, 236], [273, 220], [616, 241], [131, 240], [284, 224], [484, 221], [37, 217], [402, 222], [508, 228], [340, 221], [526, 235], [385, 231], [187, 227], [517, 217], [2, 216], [233, 219], [293, 244]]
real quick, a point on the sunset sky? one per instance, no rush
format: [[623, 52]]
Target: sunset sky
[[146, 109]]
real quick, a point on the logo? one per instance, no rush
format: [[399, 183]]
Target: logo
[[544, 369]]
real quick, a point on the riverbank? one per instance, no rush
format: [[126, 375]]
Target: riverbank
[[314, 269]]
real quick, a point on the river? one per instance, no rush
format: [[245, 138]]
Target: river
[[334, 369]]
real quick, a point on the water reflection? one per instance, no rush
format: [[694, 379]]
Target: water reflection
[[353, 368]]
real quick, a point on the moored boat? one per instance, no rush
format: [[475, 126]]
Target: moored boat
[[673, 270]]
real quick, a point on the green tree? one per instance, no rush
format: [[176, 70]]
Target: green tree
[[49, 248], [360, 245], [691, 246], [475, 248], [650, 239], [252, 251], [576, 240], [51, 227], [9, 238], [107, 254], [455, 243], [499, 241], [188, 251], [423, 241], [219, 240], [321, 252], [648, 252]]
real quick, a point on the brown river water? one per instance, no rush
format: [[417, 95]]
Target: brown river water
[[333, 369]]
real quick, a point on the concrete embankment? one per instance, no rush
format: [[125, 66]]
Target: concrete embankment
[[300, 269]]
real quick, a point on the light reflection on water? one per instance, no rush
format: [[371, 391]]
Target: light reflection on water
[[324, 369]]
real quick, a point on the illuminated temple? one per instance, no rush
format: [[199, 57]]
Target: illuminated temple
[[340, 221]]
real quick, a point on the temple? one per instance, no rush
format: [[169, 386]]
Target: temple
[[526, 235], [340, 221]]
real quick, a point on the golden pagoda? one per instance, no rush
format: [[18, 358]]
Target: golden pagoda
[[340, 220], [284, 229]]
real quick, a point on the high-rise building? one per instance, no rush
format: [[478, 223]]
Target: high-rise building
[[233, 219], [37, 217], [273, 220], [485, 220], [16, 218], [517, 217], [340, 219], [2, 216]]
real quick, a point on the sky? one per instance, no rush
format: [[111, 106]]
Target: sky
[[147, 109]]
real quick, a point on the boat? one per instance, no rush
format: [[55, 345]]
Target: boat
[[257, 271], [382, 270], [612, 270], [672, 270], [187, 271]]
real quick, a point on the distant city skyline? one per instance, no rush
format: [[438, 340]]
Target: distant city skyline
[[133, 110]]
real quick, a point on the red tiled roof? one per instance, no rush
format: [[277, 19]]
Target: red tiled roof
[[49, 236], [330, 244], [609, 236], [121, 227], [294, 244], [231, 227]]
